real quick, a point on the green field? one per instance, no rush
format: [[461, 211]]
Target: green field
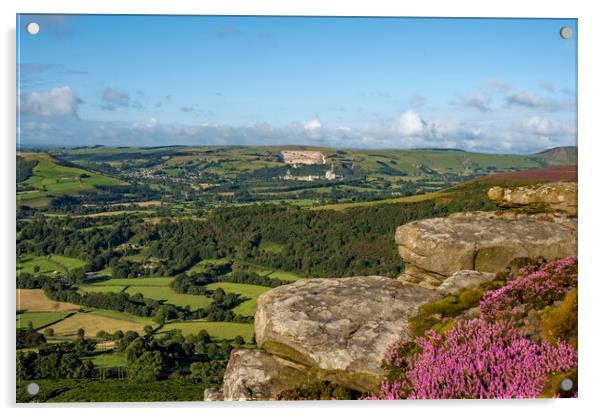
[[156, 288], [251, 292], [218, 330], [39, 319], [166, 294], [101, 288], [49, 264], [141, 281], [109, 359]]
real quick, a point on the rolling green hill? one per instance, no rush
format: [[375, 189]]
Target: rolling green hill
[[238, 175], [49, 178]]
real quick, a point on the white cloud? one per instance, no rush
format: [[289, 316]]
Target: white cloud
[[410, 124], [528, 135], [481, 102], [56, 102], [545, 127], [312, 124]]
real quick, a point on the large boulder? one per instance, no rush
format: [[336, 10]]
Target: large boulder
[[434, 249], [556, 196], [464, 279], [339, 328], [256, 375]]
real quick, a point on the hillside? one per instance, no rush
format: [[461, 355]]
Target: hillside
[[559, 155], [46, 178], [243, 174], [474, 186]]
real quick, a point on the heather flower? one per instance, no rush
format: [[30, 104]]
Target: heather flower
[[538, 288], [475, 359]]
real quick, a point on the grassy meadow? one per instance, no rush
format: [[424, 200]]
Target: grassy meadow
[[218, 330], [92, 323], [49, 264], [39, 319], [250, 292]]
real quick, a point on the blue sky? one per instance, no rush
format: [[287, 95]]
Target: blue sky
[[497, 85]]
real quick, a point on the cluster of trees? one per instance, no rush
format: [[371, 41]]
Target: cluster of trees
[[24, 169], [29, 338], [252, 278], [74, 237], [152, 358], [56, 361], [149, 358]]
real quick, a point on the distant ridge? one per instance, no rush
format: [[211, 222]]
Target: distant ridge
[[559, 156]]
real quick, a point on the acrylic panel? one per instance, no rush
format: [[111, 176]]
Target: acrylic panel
[[295, 208]]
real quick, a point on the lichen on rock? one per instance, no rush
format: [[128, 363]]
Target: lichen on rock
[[556, 196], [341, 327], [257, 375], [435, 248]]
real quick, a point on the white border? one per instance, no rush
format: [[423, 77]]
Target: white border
[[590, 36]]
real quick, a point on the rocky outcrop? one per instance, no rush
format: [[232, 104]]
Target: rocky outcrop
[[464, 279], [257, 375], [434, 249], [339, 327], [557, 196]]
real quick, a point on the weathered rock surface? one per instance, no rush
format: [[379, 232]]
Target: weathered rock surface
[[557, 196], [213, 395], [464, 279], [339, 327], [257, 375], [435, 248]]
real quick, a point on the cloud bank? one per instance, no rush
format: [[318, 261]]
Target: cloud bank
[[55, 102], [409, 130]]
